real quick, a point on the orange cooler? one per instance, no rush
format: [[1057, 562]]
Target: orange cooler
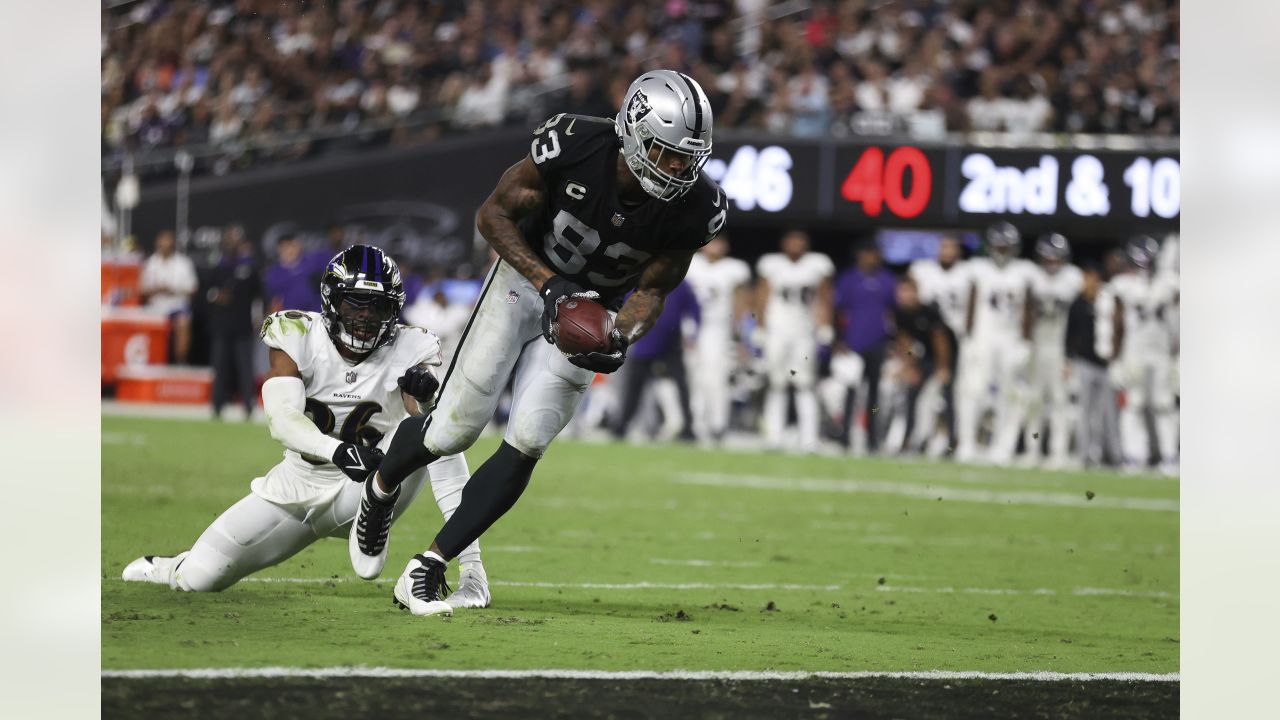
[[164, 384], [132, 337]]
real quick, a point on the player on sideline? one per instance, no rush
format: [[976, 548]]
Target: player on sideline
[[945, 283], [1055, 285], [598, 207], [720, 283], [1133, 330], [794, 308], [998, 350], [339, 382]]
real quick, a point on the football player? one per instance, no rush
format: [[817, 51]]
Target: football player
[[945, 283], [1055, 286], [794, 310], [340, 382], [720, 283], [598, 207], [997, 352], [1132, 328]]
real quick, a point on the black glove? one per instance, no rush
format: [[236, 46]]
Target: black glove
[[604, 362], [419, 383], [555, 291], [356, 461]]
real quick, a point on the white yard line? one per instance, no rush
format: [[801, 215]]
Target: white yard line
[[927, 492], [558, 674], [1078, 592], [705, 563]]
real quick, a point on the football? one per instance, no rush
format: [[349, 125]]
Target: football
[[583, 326]]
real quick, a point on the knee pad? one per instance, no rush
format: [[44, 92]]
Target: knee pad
[[204, 570]]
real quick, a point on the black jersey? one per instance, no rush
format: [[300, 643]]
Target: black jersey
[[584, 233]]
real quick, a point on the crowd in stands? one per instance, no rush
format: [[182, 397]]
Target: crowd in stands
[[250, 81]]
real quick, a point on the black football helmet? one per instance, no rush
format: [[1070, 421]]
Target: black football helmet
[[1053, 248], [361, 296], [1141, 251], [1003, 242]]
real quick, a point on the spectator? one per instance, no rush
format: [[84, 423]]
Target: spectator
[[167, 283], [292, 281], [234, 286], [1098, 67], [864, 300]]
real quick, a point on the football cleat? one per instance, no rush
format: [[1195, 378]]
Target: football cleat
[[156, 569], [473, 589], [367, 543], [421, 588]]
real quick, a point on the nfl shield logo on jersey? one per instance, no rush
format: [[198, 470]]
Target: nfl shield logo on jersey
[[513, 297], [351, 376], [618, 219]]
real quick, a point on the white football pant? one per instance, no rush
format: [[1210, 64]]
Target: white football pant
[[1146, 382], [255, 534], [791, 359], [1050, 400], [713, 364], [987, 363], [503, 343]]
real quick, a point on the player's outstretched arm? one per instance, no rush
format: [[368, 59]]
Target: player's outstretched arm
[[519, 194], [284, 400], [657, 280]]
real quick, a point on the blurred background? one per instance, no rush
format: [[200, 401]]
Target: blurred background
[[244, 143]]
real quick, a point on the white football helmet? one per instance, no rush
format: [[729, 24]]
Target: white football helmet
[[669, 109]]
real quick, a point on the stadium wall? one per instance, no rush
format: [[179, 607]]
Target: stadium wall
[[419, 201]]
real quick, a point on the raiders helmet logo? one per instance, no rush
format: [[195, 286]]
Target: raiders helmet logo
[[638, 107]]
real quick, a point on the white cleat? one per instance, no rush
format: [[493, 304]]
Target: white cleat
[[156, 569], [473, 589], [421, 588], [367, 543]]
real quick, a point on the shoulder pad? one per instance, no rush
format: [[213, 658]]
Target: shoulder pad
[[287, 331], [418, 345], [565, 139]]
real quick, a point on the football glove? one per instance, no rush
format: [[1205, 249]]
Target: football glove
[[356, 461], [555, 291], [419, 383], [604, 362]]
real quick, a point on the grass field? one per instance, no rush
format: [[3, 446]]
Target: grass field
[[670, 557]]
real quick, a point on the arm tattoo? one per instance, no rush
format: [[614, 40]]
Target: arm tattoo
[[641, 310], [519, 194]]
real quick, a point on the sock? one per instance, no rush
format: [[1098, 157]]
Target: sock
[[490, 493], [407, 454], [378, 494], [449, 475], [775, 415], [433, 556], [807, 418]]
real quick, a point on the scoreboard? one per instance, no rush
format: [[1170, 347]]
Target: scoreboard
[[872, 185]]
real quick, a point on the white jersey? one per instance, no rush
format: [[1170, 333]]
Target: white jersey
[[1054, 292], [714, 284], [793, 289], [352, 402], [1148, 302], [446, 321], [1001, 293], [947, 287]]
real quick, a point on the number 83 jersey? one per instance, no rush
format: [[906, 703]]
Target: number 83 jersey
[[358, 403], [584, 233]]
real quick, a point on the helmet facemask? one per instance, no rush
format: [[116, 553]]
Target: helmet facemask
[[656, 181], [364, 320]]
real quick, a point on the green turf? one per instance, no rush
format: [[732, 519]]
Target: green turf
[[613, 514]]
